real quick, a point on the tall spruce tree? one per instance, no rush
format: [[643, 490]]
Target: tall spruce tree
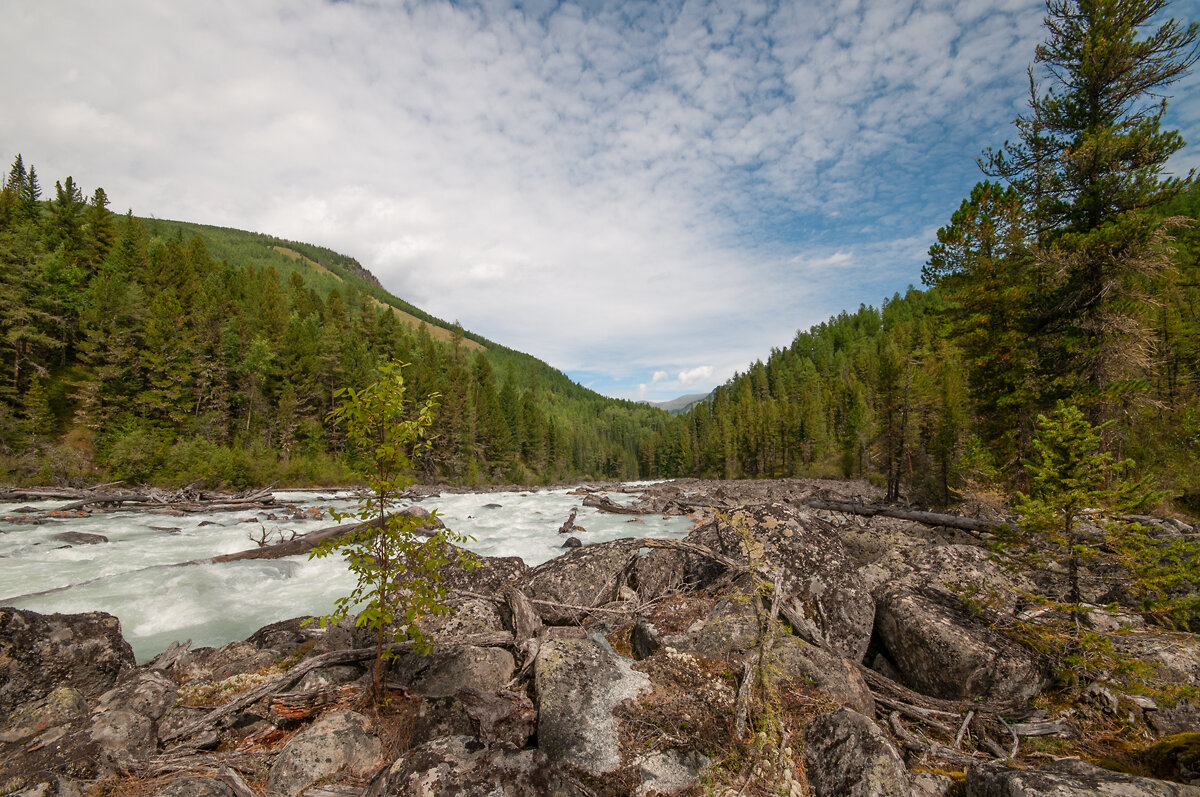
[[1089, 164]]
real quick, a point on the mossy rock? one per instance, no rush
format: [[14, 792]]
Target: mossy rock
[[1175, 758]]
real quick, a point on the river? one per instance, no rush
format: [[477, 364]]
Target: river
[[131, 575]]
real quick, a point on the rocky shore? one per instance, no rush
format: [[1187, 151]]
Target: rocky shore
[[779, 649]]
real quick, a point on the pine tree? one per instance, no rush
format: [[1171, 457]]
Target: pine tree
[[1089, 163]]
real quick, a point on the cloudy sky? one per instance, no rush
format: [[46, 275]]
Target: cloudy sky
[[646, 195]]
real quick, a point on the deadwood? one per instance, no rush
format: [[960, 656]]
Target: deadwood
[[973, 525], [218, 717]]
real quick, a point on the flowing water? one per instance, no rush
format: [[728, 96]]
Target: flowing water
[[133, 575]]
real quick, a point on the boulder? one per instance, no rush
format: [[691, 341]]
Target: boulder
[[142, 691], [124, 738], [579, 683], [847, 755], [957, 569], [824, 669], [337, 745], [669, 771], [588, 576], [820, 581], [447, 670], [59, 709], [80, 538], [1067, 777], [462, 766], [191, 786], [490, 577], [39, 653], [942, 652], [658, 572]]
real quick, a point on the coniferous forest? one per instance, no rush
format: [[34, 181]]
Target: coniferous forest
[[175, 353]]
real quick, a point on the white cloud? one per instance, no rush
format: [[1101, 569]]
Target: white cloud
[[618, 189]]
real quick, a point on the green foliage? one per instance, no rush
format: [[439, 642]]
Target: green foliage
[[398, 572], [1072, 483]]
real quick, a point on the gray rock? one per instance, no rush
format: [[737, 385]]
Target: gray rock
[[80, 538], [959, 569], [462, 766], [659, 572], [62, 707], [1067, 778], [40, 652], [445, 671], [588, 576], [820, 583], [337, 745], [579, 683], [191, 786], [124, 738], [847, 755], [645, 639], [329, 676], [44, 784], [942, 652], [827, 671], [471, 616], [142, 691], [670, 771], [571, 542]]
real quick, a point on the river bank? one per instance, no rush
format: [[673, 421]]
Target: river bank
[[775, 648]]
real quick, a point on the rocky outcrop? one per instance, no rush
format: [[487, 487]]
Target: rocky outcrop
[[579, 684], [847, 755], [589, 576], [820, 580], [39, 653], [338, 744], [941, 652], [462, 766], [1067, 778], [631, 667]]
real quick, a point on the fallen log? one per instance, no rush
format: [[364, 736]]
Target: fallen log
[[225, 713], [973, 525]]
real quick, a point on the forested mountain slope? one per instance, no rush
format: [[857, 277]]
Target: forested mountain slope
[[144, 349]]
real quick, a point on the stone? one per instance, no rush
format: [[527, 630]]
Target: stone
[[445, 671], [579, 684], [191, 786], [658, 572], [61, 707], [847, 755], [571, 542], [337, 745], [827, 671], [820, 581], [80, 538], [39, 653], [124, 738], [142, 691], [335, 675], [941, 652], [645, 639], [1067, 778], [957, 569], [588, 576], [670, 771], [463, 766]]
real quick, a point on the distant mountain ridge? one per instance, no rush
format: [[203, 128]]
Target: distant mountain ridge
[[680, 405]]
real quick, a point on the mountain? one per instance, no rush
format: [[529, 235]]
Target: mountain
[[171, 352], [677, 406]]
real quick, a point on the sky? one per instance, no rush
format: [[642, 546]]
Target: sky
[[649, 196]]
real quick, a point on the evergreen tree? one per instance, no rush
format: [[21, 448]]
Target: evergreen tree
[[1089, 164]]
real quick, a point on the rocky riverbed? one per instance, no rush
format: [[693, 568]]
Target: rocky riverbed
[[778, 649]]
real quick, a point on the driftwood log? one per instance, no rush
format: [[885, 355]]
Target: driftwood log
[[973, 525]]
